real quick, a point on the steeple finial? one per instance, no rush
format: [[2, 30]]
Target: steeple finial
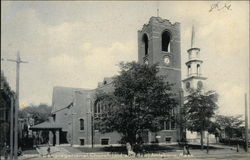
[[193, 37]]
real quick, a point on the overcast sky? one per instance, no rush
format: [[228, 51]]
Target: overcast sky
[[77, 44]]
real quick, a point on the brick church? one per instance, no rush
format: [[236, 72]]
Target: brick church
[[73, 109]]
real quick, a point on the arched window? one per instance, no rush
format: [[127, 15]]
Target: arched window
[[166, 41], [189, 69], [81, 124], [98, 107], [145, 42], [198, 69], [95, 108]]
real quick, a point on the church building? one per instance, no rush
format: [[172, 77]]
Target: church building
[[74, 109]]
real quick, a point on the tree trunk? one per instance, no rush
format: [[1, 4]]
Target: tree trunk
[[201, 140]]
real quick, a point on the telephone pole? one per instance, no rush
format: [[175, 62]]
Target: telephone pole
[[17, 61], [246, 123], [11, 124]]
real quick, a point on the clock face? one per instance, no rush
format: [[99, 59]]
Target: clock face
[[166, 60], [199, 85], [187, 85]]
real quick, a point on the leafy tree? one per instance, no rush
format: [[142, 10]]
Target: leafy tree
[[232, 125], [199, 110], [4, 135], [141, 101], [214, 128], [40, 113]]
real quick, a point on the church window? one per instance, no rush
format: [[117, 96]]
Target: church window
[[81, 124], [198, 69], [96, 126], [189, 69], [54, 117], [95, 108], [98, 108], [168, 125], [166, 41], [145, 43]]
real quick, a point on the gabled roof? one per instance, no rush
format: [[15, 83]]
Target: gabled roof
[[63, 97]]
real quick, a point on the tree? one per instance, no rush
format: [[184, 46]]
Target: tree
[[40, 113], [141, 101], [214, 128], [232, 125], [199, 110]]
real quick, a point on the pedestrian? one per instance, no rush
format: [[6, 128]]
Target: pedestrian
[[188, 152], [19, 153], [143, 150], [184, 150], [6, 151], [48, 151]]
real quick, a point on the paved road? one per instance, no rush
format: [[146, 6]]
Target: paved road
[[222, 154]]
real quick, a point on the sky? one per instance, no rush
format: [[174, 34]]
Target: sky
[[77, 44]]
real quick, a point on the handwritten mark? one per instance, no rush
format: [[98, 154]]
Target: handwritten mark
[[220, 6]]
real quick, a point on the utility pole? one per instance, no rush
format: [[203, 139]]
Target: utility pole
[[11, 124], [17, 61], [246, 123]]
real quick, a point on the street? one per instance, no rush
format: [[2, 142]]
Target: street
[[223, 154]]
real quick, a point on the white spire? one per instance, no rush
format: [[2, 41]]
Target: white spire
[[193, 37]]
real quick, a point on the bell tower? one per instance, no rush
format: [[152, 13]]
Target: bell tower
[[159, 42], [194, 79]]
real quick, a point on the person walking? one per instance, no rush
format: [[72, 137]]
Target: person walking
[[188, 152], [49, 150], [6, 151]]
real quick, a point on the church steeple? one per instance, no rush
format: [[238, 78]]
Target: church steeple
[[192, 37], [194, 78]]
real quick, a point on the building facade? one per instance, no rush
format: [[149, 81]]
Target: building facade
[[159, 43], [74, 109]]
